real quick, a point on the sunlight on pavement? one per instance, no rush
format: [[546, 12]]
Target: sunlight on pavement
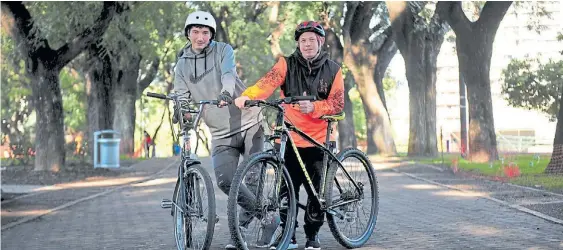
[[6, 213], [421, 186], [88, 184], [144, 192], [480, 230], [155, 182], [454, 193], [152, 190], [386, 165], [464, 186], [20, 189], [389, 174]]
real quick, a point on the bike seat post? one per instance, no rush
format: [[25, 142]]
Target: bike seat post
[[329, 131]]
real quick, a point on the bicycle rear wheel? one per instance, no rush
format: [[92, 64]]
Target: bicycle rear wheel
[[352, 213], [194, 215], [256, 186]]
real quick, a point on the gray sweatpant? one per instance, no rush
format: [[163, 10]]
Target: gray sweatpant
[[226, 154]]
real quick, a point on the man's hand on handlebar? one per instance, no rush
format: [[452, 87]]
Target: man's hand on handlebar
[[306, 107], [224, 99], [239, 102], [305, 102]]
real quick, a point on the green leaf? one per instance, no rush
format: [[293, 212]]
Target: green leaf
[[532, 85]]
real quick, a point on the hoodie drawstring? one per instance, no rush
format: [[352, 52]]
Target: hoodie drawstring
[[204, 51]]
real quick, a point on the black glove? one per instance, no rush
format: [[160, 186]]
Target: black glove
[[226, 97]]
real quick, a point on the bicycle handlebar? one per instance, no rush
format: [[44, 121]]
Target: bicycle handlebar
[[174, 97], [212, 102], [275, 103], [159, 96]]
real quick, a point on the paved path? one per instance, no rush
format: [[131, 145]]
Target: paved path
[[413, 215]]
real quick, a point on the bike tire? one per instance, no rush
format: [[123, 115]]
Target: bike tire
[[343, 239], [180, 193], [233, 208]]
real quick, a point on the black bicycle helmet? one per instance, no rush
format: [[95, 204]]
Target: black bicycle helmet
[[309, 26]]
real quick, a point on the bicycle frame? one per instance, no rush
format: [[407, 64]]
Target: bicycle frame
[[281, 131], [187, 152], [185, 155]]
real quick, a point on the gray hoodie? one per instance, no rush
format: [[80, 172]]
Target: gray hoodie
[[207, 75]]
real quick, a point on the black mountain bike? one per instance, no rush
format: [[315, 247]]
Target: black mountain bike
[[348, 192], [193, 201]]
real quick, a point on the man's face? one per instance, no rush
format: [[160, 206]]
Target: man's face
[[308, 45], [200, 37]]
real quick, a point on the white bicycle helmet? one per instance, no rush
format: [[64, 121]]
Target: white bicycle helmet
[[201, 18]]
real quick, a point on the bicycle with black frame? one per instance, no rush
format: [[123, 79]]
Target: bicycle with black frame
[[342, 196], [193, 200]]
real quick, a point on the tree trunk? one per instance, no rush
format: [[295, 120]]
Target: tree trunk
[[346, 130], [49, 132], [125, 96], [420, 58], [379, 131], [420, 46], [474, 43], [431, 50], [99, 83], [384, 56], [474, 55], [360, 56], [555, 165]]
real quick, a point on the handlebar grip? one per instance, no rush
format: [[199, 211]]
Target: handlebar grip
[[249, 103], [304, 98], [156, 95]]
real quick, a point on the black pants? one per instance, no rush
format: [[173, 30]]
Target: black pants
[[313, 159], [226, 154]]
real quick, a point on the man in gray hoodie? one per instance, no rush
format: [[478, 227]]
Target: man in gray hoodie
[[206, 69]]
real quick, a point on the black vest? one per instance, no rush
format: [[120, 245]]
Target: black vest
[[317, 80]]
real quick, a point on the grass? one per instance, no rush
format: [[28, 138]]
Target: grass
[[531, 168], [549, 182]]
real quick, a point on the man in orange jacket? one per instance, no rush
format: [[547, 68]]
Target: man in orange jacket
[[307, 71]]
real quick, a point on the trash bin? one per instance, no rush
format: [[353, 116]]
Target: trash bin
[[106, 149]]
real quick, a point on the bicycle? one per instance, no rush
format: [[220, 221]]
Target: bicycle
[[337, 199], [193, 184]]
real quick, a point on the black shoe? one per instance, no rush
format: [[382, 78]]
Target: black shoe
[[313, 244]]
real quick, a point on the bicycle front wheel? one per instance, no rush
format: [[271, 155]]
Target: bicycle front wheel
[[264, 190], [352, 198], [194, 212]]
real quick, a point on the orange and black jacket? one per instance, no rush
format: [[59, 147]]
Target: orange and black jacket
[[294, 75]]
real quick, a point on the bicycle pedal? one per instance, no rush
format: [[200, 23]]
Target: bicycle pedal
[[166, 203]]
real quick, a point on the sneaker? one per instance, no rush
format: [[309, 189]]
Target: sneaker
[[292, 244], [313, 244], [231, 245]]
